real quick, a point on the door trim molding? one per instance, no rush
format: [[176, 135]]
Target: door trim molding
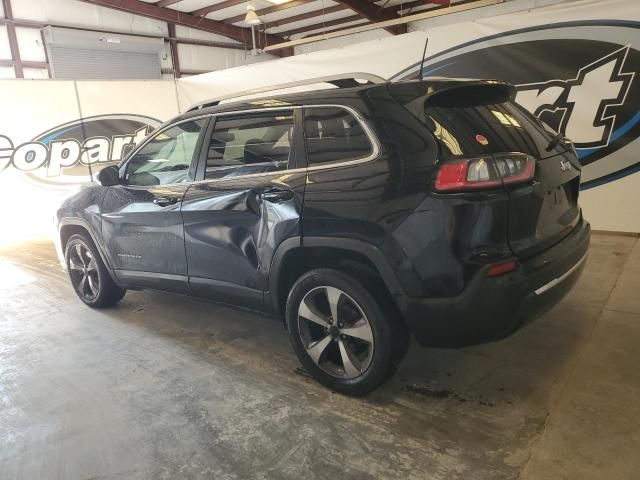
[[154, 280], [228, 293]]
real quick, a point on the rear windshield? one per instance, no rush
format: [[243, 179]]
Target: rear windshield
[[476, 120]]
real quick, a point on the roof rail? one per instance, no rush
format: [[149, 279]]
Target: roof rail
[[342, 80]]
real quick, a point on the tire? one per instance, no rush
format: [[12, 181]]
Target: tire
[[400, 333], [89, 276], [353, 355], [400, 347]]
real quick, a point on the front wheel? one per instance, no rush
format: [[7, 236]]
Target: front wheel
[[339, 332], [88, 274]]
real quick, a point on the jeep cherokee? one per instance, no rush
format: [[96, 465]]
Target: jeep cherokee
[[360, 215]]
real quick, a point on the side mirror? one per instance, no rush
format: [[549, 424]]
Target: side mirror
[[109, 176]]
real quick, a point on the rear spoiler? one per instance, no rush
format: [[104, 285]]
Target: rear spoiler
[[418, 94], [442, 87]]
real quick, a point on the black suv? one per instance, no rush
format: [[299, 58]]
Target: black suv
[[360, 214]]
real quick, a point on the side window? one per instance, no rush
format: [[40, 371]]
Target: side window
[[166, 158], [334, 135], [249, 144]]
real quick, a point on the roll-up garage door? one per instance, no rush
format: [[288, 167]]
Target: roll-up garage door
[[83, 55]]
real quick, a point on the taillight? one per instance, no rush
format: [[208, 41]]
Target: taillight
[[485, 172]]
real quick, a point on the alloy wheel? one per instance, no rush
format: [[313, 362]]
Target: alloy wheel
[[84, 271], [335, 332]]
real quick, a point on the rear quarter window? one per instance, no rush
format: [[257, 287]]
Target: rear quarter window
[[334, 134]]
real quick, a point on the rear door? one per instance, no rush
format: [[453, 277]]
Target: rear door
[[248, 201], [483, 120]]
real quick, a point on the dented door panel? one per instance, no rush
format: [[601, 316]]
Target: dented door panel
[[232, 229]]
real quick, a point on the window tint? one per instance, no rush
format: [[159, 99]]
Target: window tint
[[486, 128], [167, 157], [475, 120], [334, 135], [250, 144]]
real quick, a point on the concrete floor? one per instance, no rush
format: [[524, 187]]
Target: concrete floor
[[169, 387]]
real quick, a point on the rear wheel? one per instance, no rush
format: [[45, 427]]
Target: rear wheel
[[89, 277], [339, 332]]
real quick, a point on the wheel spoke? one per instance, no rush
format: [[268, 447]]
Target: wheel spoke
[[348, 361], [82, 284], [315, 350], [73, 265], [333, 295], [92, 267], [361, 330], [305, 312], [78, 249], [93, 287]]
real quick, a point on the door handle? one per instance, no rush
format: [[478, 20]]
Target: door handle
[[276, 195], [165, 201]]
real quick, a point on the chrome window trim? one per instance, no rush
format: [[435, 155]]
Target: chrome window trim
[[375, 145]]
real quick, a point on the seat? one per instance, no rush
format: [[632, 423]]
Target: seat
[[252, 151]]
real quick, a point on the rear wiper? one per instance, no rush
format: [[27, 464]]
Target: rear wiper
[[555, 141]]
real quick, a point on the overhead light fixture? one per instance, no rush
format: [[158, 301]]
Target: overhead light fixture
[[278, 2], [252, 18]]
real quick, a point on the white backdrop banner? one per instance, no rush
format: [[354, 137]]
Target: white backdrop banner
[[54, 134]]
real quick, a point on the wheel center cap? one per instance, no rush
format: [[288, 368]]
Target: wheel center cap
[[334, 331]]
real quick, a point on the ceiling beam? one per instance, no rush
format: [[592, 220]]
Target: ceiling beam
[[306, 16], [429, 13], [337, 29], [24, 63], [173, 44], [165, 3], [13, 40], [407, 6], [419, 3], [201, 12], [373, 12], [186, 20], [321, 26], [319, 13], [337, 8], [268, 10], [410, 5]]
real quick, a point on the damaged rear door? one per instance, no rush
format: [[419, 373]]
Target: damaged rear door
[[249, 201]]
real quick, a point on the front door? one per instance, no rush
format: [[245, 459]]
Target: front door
[[249, 201], [141, 220]]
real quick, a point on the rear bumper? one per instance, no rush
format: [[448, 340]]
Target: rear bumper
[[493, 308]]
